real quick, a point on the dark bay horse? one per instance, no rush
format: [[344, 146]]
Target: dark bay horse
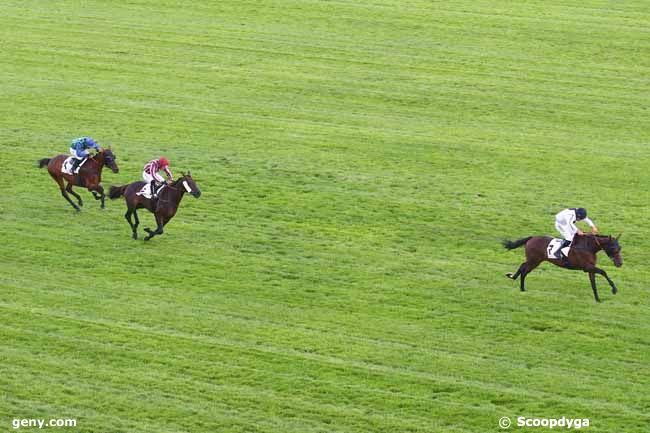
[[168, 201], [582, 256], [89, 176]]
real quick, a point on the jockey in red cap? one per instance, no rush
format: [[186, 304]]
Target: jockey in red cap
[[151, 176]]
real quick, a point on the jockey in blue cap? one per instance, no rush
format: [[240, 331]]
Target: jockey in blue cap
[[81, 148]]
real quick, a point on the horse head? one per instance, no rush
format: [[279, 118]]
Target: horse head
[[612, 248], [109, 160], [189, 184]]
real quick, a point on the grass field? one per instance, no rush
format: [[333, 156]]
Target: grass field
[[360, 163]]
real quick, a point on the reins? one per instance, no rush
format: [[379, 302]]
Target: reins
[[587, 249]]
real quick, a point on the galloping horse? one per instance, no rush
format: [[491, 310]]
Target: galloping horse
[[582, 256], [89, 176], [166, 207]]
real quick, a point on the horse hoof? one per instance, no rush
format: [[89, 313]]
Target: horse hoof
[[134, 236], [77, 209], [509, 275]]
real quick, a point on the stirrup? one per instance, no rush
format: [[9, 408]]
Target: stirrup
[[564, 259]]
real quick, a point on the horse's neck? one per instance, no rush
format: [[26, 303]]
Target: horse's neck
[[92, 164], [97, 162], [100, 162], [601, 241], [175, 195], [596, 243]]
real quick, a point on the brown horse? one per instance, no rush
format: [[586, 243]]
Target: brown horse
[[165, 207], [582, 256], [89, 176]]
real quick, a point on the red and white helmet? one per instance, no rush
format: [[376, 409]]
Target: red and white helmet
[[163, 161]]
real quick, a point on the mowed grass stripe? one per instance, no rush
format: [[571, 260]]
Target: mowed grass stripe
[[241, 393], [411, 372], [555, 109]]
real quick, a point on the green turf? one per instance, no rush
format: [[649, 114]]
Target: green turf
[[360, 163]]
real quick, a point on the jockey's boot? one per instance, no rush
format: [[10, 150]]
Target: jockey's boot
[[152, 188], [75, 165], [562, 256]]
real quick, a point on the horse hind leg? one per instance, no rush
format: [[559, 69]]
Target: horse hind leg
[[69, 190], [516, 274], [137, 223], [134, 227], [65, 194], [524, 269]]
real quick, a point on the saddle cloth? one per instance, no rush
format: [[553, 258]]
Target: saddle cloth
[[146, 191], [67, 165], [553, 247]]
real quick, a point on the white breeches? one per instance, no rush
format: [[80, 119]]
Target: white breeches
[[148, 178], [73, 152], [565, 229]]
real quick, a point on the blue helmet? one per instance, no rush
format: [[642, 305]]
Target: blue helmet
[[581, 213]]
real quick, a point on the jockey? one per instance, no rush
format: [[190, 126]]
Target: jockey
[[151, 176], [80, 148], [565, 223]]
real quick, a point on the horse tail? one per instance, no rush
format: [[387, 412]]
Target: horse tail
[[43, 162], [116, 191], [510, 245]]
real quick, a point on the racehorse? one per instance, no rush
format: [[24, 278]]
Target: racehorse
[[168, 201], [582, 256], [89, 176]]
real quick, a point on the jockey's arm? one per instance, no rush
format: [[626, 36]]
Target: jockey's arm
[[169, 173], [591, 224], [158, 178]]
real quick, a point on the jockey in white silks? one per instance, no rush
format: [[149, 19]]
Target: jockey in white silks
[[565, 223]]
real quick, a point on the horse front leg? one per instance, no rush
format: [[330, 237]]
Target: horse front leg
[[159, 230], [609, 280], [101, 196], [592, 280]]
